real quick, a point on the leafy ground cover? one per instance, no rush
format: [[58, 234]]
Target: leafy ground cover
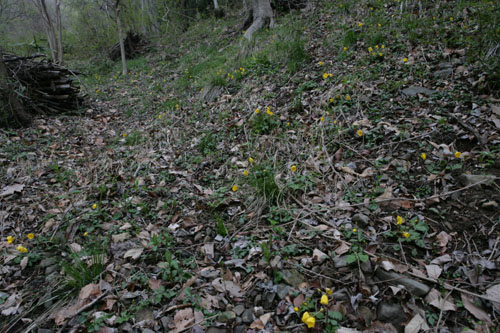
[[339, 173]]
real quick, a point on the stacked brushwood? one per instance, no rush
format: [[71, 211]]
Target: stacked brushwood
[[134, 45], [40, 87]]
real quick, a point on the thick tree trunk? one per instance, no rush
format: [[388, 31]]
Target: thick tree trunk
[[262, 15], [122, 44], [59, 33]]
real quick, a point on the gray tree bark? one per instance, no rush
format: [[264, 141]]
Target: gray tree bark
[[59, 32], [122, 44], [262, 16]]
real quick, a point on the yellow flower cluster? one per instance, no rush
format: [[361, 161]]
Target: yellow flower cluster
[[327, 75], [309, 320], [20, 248]]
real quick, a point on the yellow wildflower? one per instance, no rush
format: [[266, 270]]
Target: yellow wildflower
[[308, 320], [321, 63], [251, 160], [94, 206], [268, 111], [345, 48], [257, 111], [325, 76], [10, 239], [379, 25], [235, 188], [374, 53], [399, 220], [246, 172], [406, 234], [451, 18], [380, 54], [324, 300], [322, 118], [85, 234], [159, 116], [360, 24], [30, 236], [335, 122], [354, 230], [458, 154], [405, 59], [296, 309], [360, 132], [21, 249], [383, 46], [331, 100], [423, 156], [328, 291], [293, 168], [124, 134], [370, 49], [151, 93], [348, 98]]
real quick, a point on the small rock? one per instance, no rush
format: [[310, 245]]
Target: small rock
[[258, 311], [415, 90], [366, 314], [144, 314], [361, 220], [217, 330], [366, 267], [415, 287], [292, 277], [282, 290], [226, 317], [238, 309], [390, 313], [341, 296], [340, 262], [268, 299], [443, 72], [468, 180], [51, 269], [240, 329], [197, 329], [48, 262], [165, 321], [126, 327], [44, 330], [247, 316]]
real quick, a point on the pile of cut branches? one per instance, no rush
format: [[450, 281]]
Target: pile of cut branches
[[134, 45], [35, 85]]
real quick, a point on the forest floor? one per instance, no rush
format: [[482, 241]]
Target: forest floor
[[344, 165]]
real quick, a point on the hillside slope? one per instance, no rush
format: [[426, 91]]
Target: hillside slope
[[341, 171]]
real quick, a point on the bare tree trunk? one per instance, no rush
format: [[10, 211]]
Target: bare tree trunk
[[122, 45], [262, 14], [216, 5], [51, 35], [13, 109], [59, 32], [143, 12]]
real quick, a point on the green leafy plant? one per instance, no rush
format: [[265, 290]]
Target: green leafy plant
[[83, 269], [262, 179]]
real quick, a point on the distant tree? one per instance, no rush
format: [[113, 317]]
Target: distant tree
[[261, 15], [54, 33], [120, 37]]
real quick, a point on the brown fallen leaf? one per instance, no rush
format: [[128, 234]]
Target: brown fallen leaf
[[133, 253], [182, 320], [11, 189], [435, 299], [476, 311]]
